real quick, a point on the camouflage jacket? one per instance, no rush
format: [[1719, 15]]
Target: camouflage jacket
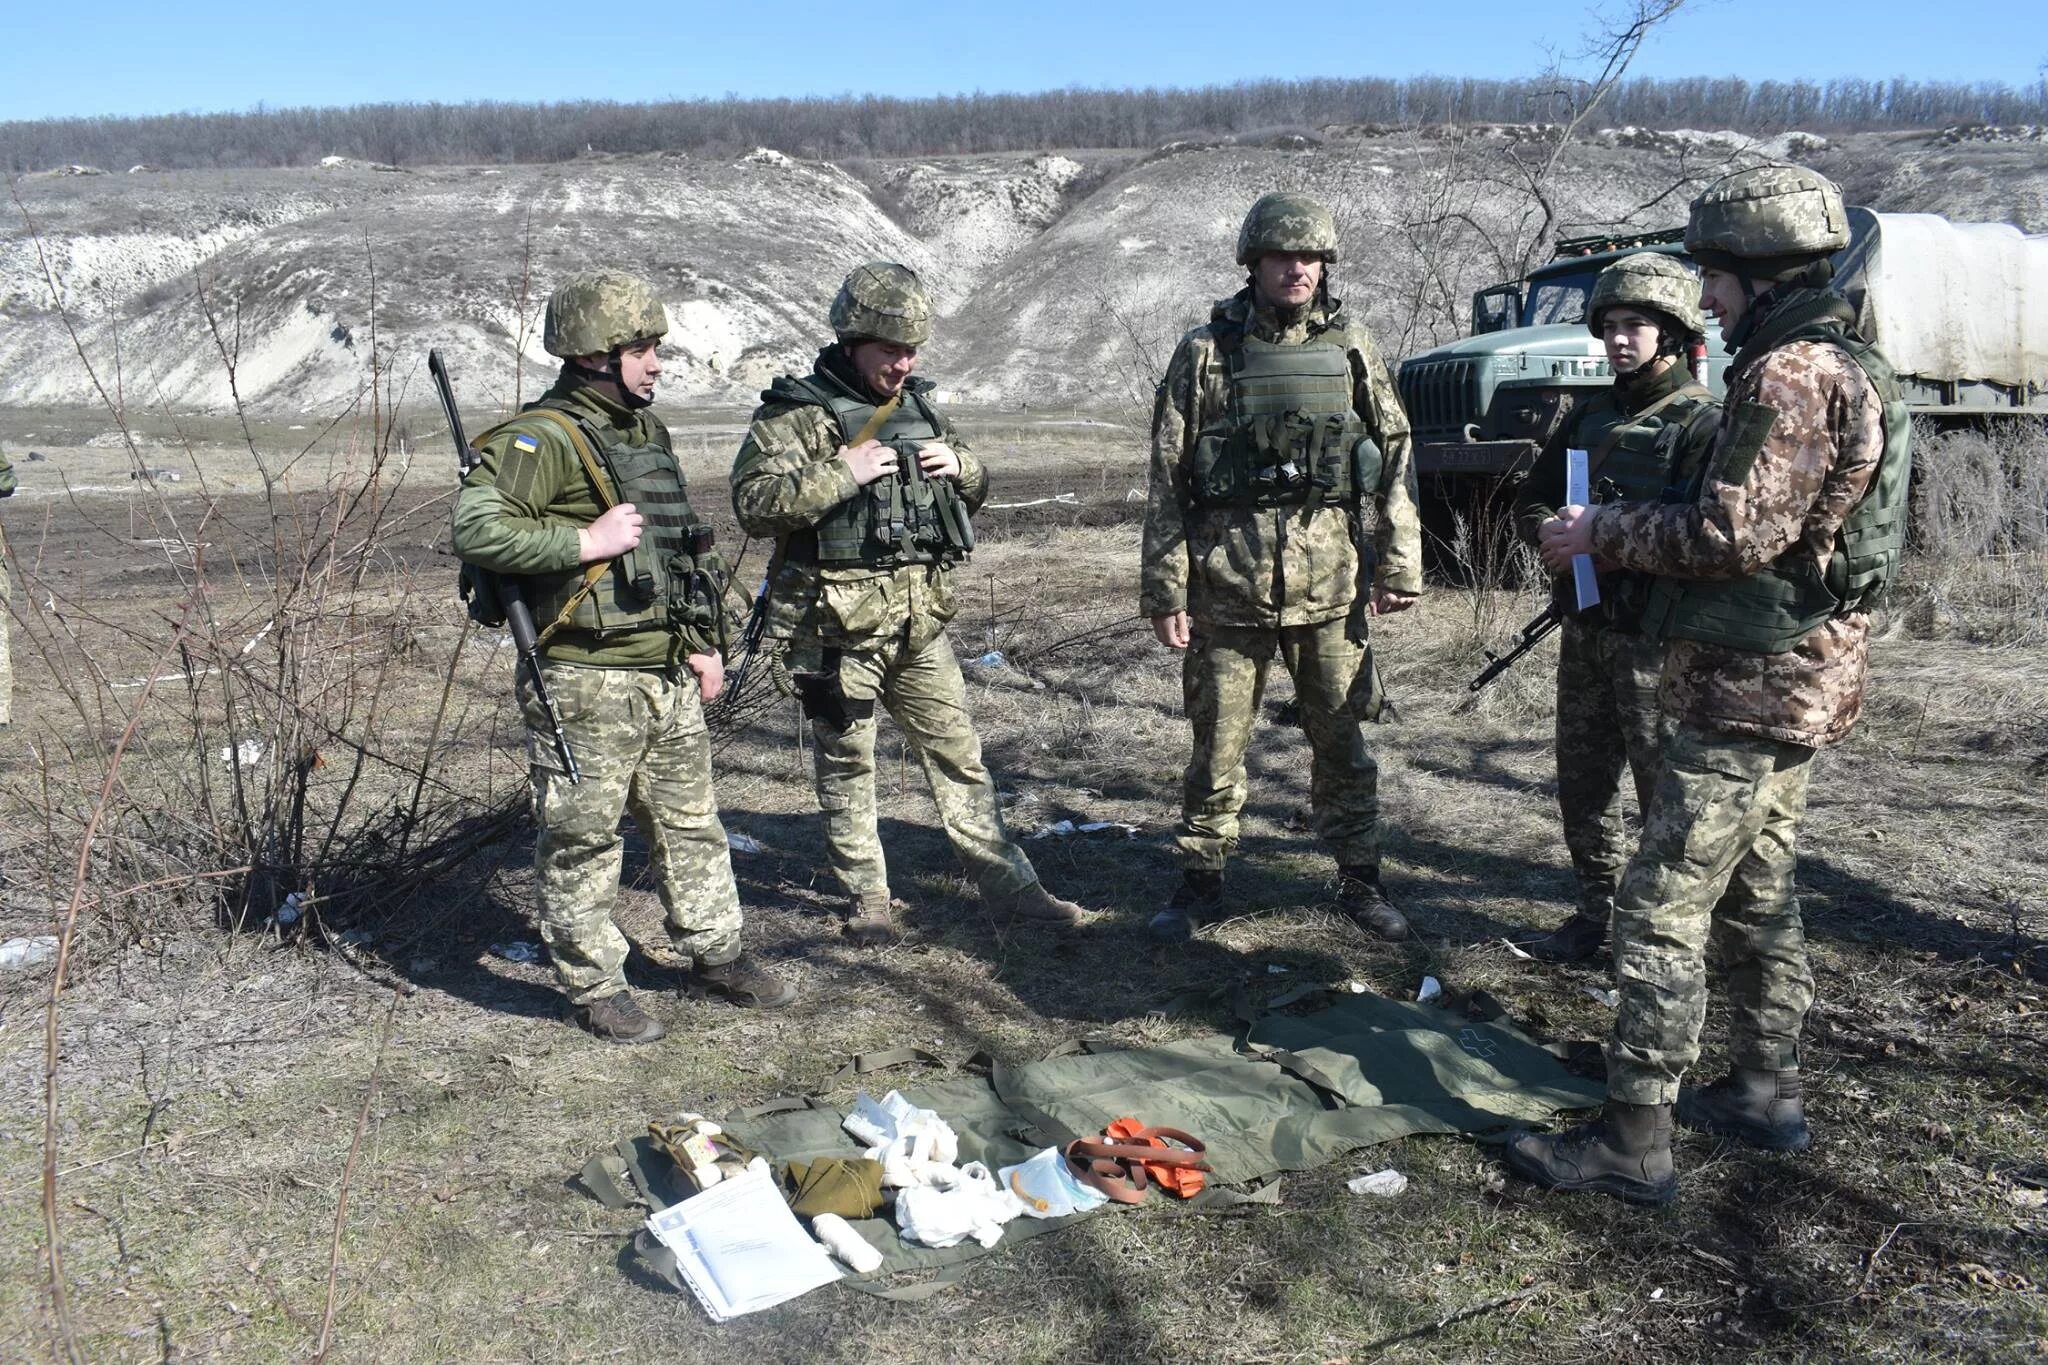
[[785, 478], [1277, 566], [1587, 428], [518, 513], [1812, 468]]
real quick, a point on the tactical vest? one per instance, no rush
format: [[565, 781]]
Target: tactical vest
[[1771, 611], [653, 583], [901, 518], [1289, 434], [1640, 465]]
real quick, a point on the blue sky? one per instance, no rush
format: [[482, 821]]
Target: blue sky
[[135, 58]]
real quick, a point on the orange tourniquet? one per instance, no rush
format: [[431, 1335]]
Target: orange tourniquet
[[1130, 1156]]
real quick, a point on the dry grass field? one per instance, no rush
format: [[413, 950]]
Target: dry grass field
[[364, 1129]]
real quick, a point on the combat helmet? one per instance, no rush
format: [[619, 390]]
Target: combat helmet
[[597, 313], [1768, 222], [883, 301], [1285, 221], [1652, 280]]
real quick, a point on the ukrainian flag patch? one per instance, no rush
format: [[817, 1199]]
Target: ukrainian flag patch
[[523, 442]]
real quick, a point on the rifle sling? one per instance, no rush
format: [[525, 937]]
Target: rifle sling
[[594, 571], [1599, 457]]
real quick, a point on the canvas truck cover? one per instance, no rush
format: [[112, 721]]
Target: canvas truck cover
[[1950, 301]]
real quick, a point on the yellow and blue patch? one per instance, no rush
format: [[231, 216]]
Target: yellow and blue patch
[[526, 443]]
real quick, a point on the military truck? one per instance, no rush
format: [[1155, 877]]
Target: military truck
[[1960, 309]]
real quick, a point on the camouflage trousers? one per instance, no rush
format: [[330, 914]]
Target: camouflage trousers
[[6, 660], [1715, 865], [1223, 679], [922, 690], [641, 745], [1607, 720]]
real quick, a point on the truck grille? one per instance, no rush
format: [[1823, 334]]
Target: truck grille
[[1441, 397]]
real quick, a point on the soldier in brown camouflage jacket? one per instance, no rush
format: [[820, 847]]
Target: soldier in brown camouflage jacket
[[1763, 584]]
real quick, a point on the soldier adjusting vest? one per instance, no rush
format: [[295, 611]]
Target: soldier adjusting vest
[[895, 520], [1289, 434], [1771, 611], [645, 585]]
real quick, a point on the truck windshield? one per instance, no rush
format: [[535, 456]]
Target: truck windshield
[[1561, 298]]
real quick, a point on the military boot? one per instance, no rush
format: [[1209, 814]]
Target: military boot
[[1199, 897], [1626, 1152], [619, 1019], [1360, 895], [1577, 939], [745, 982], [873, 923], [1032, 901], [1761, 1108]]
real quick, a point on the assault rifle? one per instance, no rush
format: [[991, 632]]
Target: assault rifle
[[511, 597], [1532, 635]]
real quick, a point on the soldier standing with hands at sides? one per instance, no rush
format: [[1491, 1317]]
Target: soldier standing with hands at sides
[[1645, 310], [866, 489], [1763, 582], [1275, 428], [581, 498]]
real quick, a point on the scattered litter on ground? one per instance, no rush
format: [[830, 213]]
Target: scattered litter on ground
[[1356, 987], [741, 842], [1062, 828], [1606, 997], [992, 659], [518, 950], [1431, 988], [1517, 950], [1275, 969], [246, 754], [20, 954], [289, 912], [1385, 1184]]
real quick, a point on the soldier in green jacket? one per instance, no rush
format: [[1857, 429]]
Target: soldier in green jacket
[[581, 499], [1763, 573], [1655, 420], [866, 489], [1278, 447]]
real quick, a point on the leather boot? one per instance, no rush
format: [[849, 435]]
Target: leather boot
[[1199, 897], [1360, 895], [873, 923], [1577, 939], [1626, 1152], [745, 983], [1761, 1108], [1033, 902], [619, 1019]]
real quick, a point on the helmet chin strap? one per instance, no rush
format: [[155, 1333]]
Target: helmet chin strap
[[631, 400]]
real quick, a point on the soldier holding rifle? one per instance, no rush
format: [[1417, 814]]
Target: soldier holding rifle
[[580, 503], [1654, 421]]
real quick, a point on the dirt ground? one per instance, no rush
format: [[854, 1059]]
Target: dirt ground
[[211, 1084]]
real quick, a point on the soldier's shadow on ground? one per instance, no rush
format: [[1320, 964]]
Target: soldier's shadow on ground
[[1106, 970]]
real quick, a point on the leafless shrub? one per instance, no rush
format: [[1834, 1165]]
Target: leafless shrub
[[1978, 561]]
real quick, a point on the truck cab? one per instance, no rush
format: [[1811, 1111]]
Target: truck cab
[[1960, 310]]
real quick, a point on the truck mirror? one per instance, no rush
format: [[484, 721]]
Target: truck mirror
[[1496, 309]]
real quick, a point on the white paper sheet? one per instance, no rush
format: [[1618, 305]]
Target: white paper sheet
[[1578, 493], [739, 1248]]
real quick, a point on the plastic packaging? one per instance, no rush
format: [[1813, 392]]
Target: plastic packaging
[[1046, 1187]]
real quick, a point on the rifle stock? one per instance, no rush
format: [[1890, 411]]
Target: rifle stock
[[518, 615]]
